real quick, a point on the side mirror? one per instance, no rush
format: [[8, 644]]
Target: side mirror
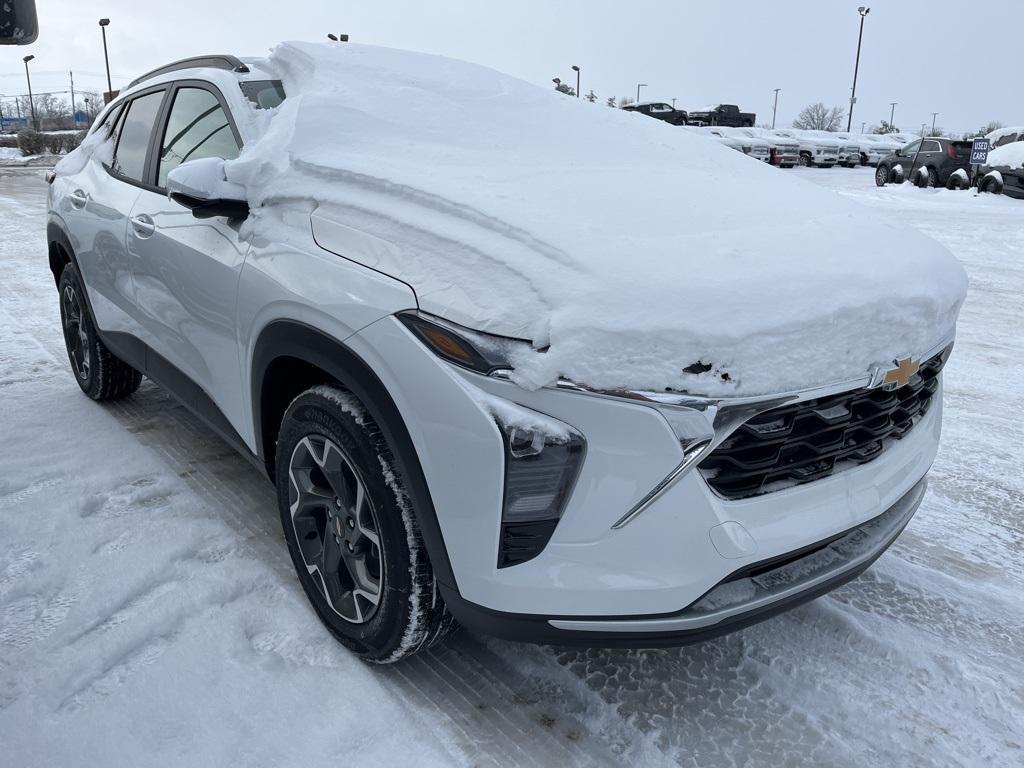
[[202, 187], [18, 22]]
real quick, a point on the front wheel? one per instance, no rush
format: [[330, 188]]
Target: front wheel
[[100, 374], [352, 531], [881, 176], [806, 162]]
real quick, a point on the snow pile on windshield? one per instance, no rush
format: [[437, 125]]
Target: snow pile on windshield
[[624, 248], [1010, 155]]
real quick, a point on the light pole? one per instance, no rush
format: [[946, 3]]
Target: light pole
[[638, 87], [31, 101], [577, 71], [892, 115], [775, 107], [104, 23], [863, 126], [88, 110], [934, 115], [853, 91]]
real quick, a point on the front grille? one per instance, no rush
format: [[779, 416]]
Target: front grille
[[814, 439]]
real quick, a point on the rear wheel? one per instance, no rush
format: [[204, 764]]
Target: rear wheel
[[351, 529], [100, 374]]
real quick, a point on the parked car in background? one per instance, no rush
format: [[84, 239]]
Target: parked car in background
[[782, 152], [722, 114], [940, 158], [849, 149], [871, 150], [1004, 171], [659, 110], [733, 142], [753, 145], [814, 151], [1003, 136]]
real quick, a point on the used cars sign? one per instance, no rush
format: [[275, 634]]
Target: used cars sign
[[979, 151]]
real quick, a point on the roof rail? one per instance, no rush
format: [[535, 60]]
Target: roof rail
[[223, 61]]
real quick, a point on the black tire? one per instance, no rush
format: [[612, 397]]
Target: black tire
[[882, 176], [806, 161], [100, 374], [863, 159], [409, 614], [933, 177], [955, 181], [922, 180], [991, 186]]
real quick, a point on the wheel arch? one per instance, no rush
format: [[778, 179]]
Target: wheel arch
[[288, 358], [59, 249]]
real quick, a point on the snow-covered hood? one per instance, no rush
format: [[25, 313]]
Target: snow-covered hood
[[1007, 156], [625, 247]]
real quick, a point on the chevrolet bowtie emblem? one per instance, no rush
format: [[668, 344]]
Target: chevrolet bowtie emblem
[[894, 378]]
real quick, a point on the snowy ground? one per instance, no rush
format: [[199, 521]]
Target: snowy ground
[[149, 615]]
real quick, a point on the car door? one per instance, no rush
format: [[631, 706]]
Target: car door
[[99, 200], [186, 269], [931, 153]]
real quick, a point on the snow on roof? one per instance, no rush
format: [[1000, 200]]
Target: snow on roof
[[1010, 155], [631, 249]]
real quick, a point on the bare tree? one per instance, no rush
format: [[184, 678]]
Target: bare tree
[[591, 96], [818, 117], [625, 101]]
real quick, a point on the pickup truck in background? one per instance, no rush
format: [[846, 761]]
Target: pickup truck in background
[[722, 114], [659, 110]]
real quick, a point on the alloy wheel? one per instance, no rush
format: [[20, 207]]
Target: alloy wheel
[[75, 337], [336, 528]]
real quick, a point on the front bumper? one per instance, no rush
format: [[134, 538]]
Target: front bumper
[[684, 541], [750, 595]]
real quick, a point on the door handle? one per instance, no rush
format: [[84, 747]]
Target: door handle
[[78, 198], [143, 226]]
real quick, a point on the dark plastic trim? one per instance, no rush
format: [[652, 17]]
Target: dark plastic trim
[[532, 628], [215, 61]]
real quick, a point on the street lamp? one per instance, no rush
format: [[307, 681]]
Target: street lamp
[[775, 107], [88, 110], [577, 71], [934, 115], [104, 23], [853, 92], [638, 87], [892, 114], [31, 101]]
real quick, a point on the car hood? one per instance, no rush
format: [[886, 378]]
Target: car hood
[[625, 249]]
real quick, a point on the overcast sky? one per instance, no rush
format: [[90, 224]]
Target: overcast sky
[[959, 59]]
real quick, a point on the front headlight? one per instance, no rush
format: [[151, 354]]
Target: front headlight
[[480, 352]]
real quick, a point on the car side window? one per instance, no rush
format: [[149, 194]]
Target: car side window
[[135, 131], [197, 127], [931, 146], [911, 148]]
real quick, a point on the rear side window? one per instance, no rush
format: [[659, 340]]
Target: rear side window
[[197, 127], [931, 146], [136, 129]]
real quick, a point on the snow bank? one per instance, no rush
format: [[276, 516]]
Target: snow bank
[[628, 248], [1011, 155]]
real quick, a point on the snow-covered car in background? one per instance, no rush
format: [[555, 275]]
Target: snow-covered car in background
[[1001, 136], [716, 135], [849, 148], [814, 150], [871, 148], [752, 144], [710, 395], [1004, 171], [784, 152]]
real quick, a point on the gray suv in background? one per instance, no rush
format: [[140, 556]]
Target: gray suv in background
[[941, 158]]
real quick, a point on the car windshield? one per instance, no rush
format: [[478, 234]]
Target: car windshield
[[264, 94]]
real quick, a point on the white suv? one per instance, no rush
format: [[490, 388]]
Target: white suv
[[437, 463]]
